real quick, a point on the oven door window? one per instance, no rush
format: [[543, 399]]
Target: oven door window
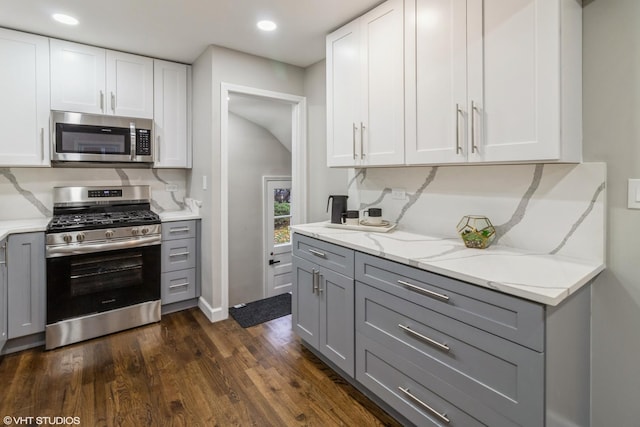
[[92, 139], [105, 273], [85, 284]]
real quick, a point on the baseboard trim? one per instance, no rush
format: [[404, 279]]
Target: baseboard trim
[[213, 314]]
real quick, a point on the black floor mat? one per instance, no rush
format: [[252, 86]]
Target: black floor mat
[[263, 310]]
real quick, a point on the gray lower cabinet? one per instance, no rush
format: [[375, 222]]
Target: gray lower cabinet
[[322, 301], [444, 352], [436, 351], [26, 273], [3, 293], [179, 261]]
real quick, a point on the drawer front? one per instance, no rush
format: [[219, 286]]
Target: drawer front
[[500, 374], [178, 254], [178, 230], [508, 317], [385, 374], [178, 285], [328, 255]]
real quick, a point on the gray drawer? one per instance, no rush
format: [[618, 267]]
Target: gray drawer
[[383, 373], [328, 255], [509, 317], [179, 230], [178, 254], [178, 285], [500, 374]]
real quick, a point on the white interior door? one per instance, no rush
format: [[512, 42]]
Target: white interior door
[[277, 235]]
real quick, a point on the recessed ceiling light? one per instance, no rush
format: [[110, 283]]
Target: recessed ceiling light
[[65, 19], [267, 25]]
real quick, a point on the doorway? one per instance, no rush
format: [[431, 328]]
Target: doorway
[[229, 172], [277, 235]]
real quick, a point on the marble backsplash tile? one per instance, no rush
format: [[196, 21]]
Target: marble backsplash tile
[[27, 192], [550, 208]]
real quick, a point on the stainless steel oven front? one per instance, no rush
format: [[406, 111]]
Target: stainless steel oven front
[[98, 288]]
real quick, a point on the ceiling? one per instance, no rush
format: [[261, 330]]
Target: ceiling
[[180, 30]]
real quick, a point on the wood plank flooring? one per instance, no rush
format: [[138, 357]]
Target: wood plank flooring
[[185, 371]]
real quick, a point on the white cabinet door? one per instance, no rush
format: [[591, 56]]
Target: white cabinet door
[[439, 34], [514, 80], [382, 76], [129, 85], [77, 78], [365, 89], [24, 104], [495, 81], [170, 115], [343, 96]]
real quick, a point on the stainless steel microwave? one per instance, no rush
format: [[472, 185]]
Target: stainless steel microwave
[[80, 137]]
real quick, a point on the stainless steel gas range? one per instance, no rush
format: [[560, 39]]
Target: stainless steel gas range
[[103, 262]]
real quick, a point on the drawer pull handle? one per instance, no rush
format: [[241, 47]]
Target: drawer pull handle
[[179, 254], [318, 253], [443, 417], [424, 291], [178, 230], [424, 338], [179, 285]]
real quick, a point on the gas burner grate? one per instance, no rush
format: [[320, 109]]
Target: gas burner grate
[[102, 220]]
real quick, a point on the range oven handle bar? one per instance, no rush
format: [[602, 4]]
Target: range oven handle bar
[[87, 248]]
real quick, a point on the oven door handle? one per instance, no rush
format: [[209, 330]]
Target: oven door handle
[[78, 249]]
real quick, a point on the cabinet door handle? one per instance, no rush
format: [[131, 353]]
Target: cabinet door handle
[[424, 291], [362, 140], [474, 110], [318, 253], [355, 128], [179, 285], [4, 254], [113, 102], [178, 230], [443, 417], [320, 290], [179, 254], [458, 112], [314, 280], [424, 338], [101, 101], [42, 144]]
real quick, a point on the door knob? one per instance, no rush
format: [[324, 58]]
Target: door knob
[[271, 262]]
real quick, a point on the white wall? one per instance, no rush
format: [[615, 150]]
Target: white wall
[[322, 180], [214, 66], [611, 122], [253, 153]]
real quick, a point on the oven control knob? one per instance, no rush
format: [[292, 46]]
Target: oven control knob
[[67, 238], [108, 234], [145, 230], [80, 237], [134, 231]]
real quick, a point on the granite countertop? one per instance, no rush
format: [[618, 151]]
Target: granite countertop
[[539, 277], [22, 226]]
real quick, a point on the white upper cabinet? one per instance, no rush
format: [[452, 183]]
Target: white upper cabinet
[[24, 104], [365, 89], [495, 81], [171, 100], [129, 85], [87, 79]]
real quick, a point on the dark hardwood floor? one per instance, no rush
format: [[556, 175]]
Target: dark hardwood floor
[[185, 371]]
